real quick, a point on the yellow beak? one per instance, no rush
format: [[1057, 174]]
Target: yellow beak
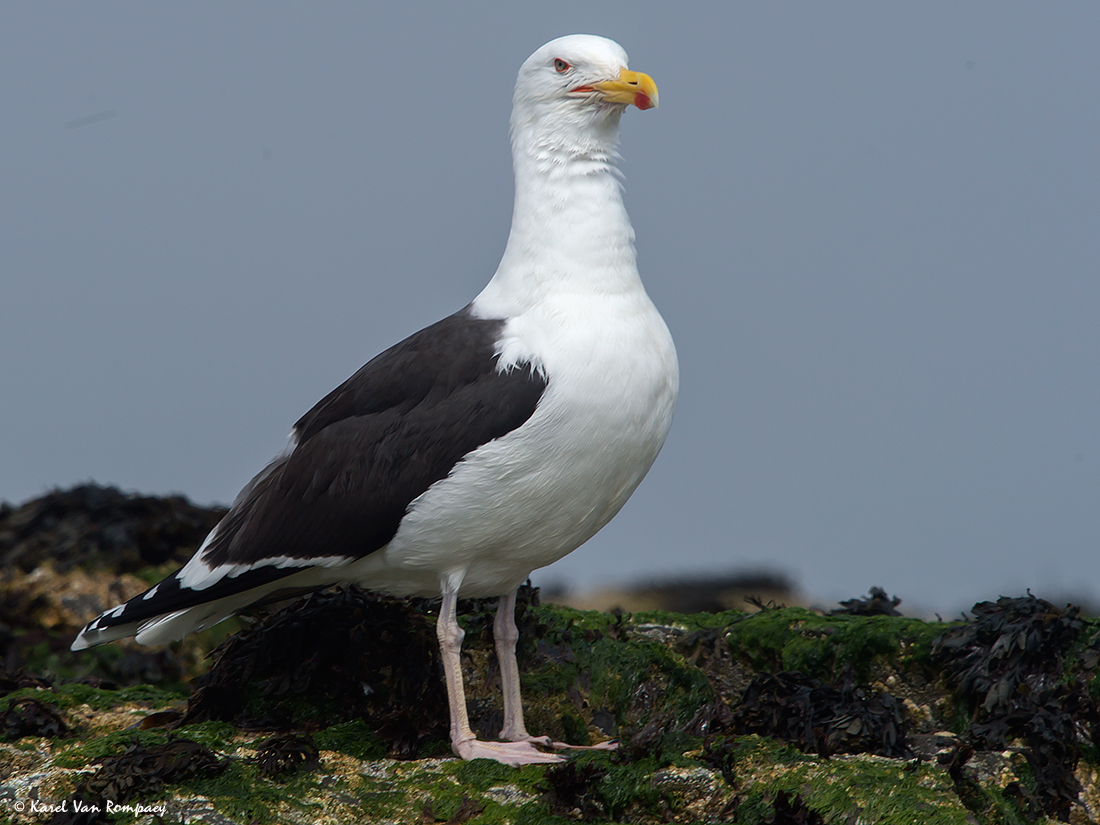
[[631, 87]]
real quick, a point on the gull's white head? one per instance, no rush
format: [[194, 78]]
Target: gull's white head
[[577, 84], [587, 69], [570, 231]]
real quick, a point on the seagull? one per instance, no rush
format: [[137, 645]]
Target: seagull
[[487, 445]]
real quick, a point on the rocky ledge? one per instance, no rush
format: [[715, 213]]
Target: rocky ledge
[[332, 709]]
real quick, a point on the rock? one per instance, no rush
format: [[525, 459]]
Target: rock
[[330, 711], [102, 528]]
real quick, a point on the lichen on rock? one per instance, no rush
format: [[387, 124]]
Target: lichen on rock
[[331, 710]]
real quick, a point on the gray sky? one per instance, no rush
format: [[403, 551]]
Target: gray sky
[[874, 230]]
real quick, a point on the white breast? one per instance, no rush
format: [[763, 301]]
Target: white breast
[[525, 500]]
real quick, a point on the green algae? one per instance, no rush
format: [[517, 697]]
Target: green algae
[[793, 638], [215, 735], [869, 789], [353, 738], [529, 815], [218, 736], [481, 774], [689, 622], [577, 666], [631, 785], [242, 793], [90, 751], [71, 696], [584, 665]]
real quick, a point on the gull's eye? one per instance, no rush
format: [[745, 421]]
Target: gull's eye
[[560, 65]]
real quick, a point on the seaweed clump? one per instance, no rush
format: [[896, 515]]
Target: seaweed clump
[[793, 810], [139, 771], [876, 603], [819, 718], [573, 789], [1008, 666], [284, 755], [333, 657], [30, 717]]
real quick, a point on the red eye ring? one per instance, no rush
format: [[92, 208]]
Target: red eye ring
[[560, 65]]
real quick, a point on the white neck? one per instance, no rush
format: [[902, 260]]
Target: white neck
[[570, 231]]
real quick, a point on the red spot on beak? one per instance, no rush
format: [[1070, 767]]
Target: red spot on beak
[[642, 101]]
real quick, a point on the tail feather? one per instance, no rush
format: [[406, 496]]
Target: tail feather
[[169, 611]]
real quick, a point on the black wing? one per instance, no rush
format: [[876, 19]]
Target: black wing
[[375, 443]]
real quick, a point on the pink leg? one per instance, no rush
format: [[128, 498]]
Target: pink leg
[[505, 634], [463, 741]]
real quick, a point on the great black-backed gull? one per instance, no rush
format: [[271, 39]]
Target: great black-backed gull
[[485, 446]]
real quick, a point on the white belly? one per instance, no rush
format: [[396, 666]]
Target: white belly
[[525, 500]]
